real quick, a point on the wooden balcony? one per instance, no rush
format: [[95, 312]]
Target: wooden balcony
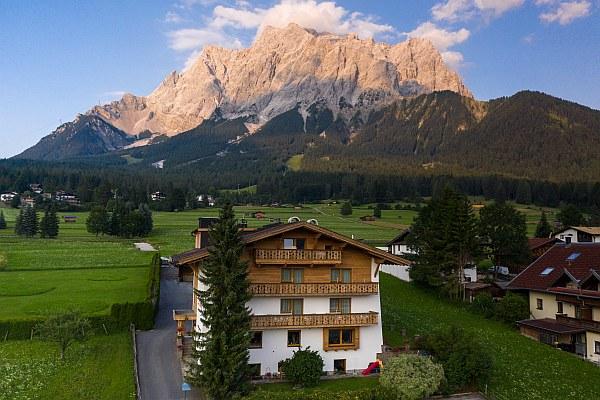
[[287, 256], [579, 323], [313, 289], [260, 322]]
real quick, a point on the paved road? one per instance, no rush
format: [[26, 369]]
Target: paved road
[[159, 366]]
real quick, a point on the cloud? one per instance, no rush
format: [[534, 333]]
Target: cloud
[[172, 17], [462, 10], [565, 12], [227, 24]]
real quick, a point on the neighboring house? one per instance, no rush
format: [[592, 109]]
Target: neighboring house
[[564, 298], [157, 196], [27, 201], [579, 234], [67, 197], [8, 197], [311, 287], [398, 245], [36, 188], [210, 200]]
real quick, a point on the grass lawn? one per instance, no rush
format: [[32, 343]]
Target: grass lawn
[[100, 368], [523, 368]]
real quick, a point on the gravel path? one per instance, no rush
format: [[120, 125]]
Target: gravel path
[[159, 366]]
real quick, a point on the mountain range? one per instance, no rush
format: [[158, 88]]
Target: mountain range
[[333, 103]]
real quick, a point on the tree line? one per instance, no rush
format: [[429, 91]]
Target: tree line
[[119, 218]]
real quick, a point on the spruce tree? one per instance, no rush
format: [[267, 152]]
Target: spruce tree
[[49, 224], [97, 221], [19, 223], [27, 222], [2, 220], [220, 365], [543, 228]]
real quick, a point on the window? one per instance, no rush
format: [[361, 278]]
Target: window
[[256, 339], [540, 304], [547, 271], [292, 275], [559, 305], [254, 370], [340, 338], [341, 275], [339, 366], [339, 306], [293, 339], [293, 244], [597, 347], [573, 256], [548, 338], [292, 306], [568, 239]]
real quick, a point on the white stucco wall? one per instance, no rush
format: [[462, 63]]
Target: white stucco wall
[[573, 234], [590, 338]]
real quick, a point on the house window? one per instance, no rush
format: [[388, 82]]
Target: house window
[[341, 275], [597, 347], [339, 306], [340, 338], [293, 339], [256, 339], [548, 338], [540, 304], [328, 247], [559, 305], [292, 275], [292, 306], [293, 244], [339, 366], [254, 370]]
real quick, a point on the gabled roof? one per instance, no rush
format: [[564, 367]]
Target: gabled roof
[[260, 234], [591, 230], [536, 243], [550, 266], [400, 238], [550, 325]]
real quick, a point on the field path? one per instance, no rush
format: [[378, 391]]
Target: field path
[[159, 366]]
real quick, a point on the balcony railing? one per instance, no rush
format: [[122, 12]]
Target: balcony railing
[[579, 323], [291, 256], [313, 320], [312, 289]]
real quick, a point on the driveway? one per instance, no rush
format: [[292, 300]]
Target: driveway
[[159, 366]]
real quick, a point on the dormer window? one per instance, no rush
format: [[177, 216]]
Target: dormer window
[[547, 271]]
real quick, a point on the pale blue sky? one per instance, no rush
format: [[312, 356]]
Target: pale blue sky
[[59, 58]]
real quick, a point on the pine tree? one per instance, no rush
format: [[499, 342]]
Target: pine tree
[[221, 354], [27, 222], [543, 228], [2, 220], [49, 224], [503, 232]]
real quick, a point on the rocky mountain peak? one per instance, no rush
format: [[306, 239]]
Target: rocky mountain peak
[[285, 68]]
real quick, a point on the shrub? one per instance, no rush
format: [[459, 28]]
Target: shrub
[[304, 368], [464, 359], [512, 308], [346, 209], [411, 377], [359, 394], [483, 304]]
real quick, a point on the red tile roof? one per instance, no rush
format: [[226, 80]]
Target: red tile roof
[[557, 259], [579, 292], [535, 243]]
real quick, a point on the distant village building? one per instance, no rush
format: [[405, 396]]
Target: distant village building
[[27, 201], [36, 188], [563, 286], [399, 246], [579, 234], [66, 197], [210, 200], [159, 164], [8, 197], [157, 196], [310, 286]]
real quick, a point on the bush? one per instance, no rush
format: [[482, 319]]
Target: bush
[[464, 359], [512, 308], [304, 368], [483, 304], [411, 377], [360, 394], [346, 209]]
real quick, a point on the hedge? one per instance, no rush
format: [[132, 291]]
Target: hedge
[[360, 394], [141, 314]]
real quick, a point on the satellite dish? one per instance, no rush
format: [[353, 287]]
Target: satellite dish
[[313, 221], [291, 220]]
